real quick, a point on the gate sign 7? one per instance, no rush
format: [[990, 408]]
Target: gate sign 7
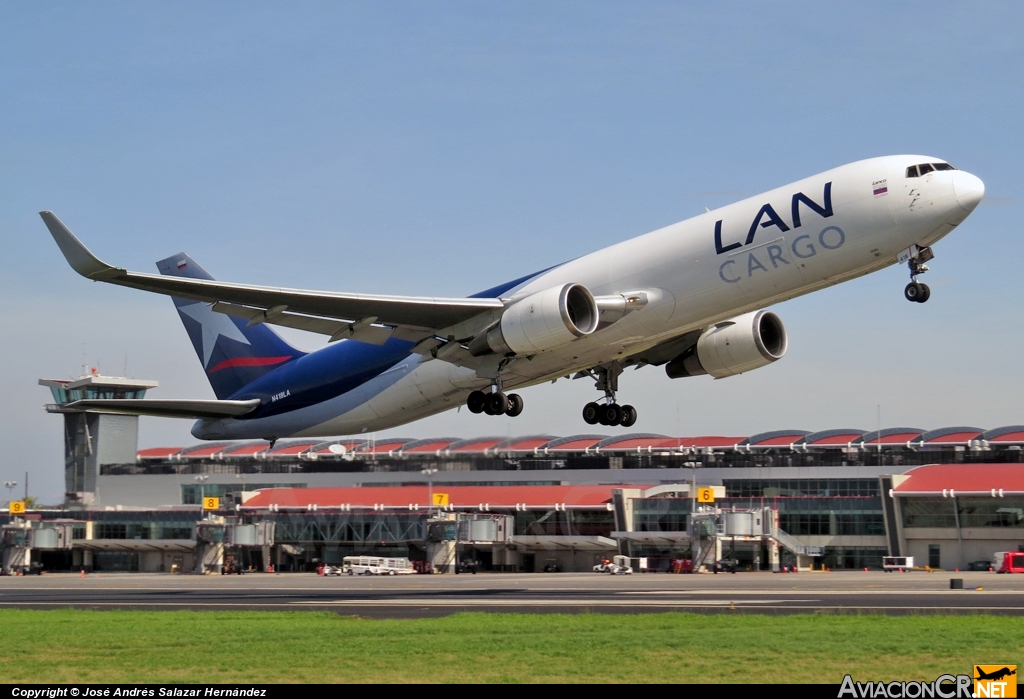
[[17, 507], [440, 500], [211, 503], [705, 495]]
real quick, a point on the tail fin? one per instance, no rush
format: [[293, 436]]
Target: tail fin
[[233, 354]]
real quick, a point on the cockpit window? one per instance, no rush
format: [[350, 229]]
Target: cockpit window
[[924, 168]]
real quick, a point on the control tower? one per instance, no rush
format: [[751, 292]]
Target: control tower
[[94, 438]]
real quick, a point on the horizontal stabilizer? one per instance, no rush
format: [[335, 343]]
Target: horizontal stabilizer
[[193, 409]]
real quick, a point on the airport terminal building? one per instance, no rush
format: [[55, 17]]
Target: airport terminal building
[[841, 498]]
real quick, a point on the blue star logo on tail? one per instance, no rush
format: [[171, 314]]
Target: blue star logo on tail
[[214, 325]]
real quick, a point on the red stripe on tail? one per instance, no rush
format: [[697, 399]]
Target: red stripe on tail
[[247, 361]]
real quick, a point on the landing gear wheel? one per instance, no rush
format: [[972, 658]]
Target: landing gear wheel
[[610, 414], [914, 292], [590, 413], [628, 416], [497, 403], [926, 293], [476, 402], [515, 405]]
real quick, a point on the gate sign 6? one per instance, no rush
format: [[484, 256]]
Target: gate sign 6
[[705, 495]]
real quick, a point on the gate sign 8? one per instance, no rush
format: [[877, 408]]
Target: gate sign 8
[[211, 503], [705, 495]]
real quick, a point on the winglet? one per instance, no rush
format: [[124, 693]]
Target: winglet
[[77, 255]]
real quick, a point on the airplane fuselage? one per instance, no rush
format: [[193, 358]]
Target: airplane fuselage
[[817, 232]]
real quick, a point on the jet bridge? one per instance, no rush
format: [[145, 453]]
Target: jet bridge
[[644, 520]]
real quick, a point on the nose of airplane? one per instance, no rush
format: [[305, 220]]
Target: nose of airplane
[[968, 189]]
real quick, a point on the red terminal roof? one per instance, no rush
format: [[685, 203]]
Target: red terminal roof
[[474, 446], [325, 447], [418, 495], [581, 444], [203, 451], [292, 449], [963, 479], [523, 443], [710, 442], [382, 447], [954, 438], [246, 449], [427, 446], [1013, 434], [1008, 435], [157, 452], [897, 435], [834, 440]]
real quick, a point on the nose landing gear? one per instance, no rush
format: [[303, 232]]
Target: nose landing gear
[[608, 413], [915, 290]]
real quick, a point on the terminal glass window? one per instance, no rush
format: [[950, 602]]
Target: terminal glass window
[[991, 512], [661, 514], [928, 512], [791, 487]]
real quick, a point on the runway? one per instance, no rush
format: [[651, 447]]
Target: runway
[[422, 595]]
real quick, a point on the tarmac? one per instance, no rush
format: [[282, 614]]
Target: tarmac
[[437, 595]]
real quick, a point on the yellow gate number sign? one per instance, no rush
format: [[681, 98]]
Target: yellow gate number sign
[[211, 503], [17, 507], [440, 500], [705, 495]]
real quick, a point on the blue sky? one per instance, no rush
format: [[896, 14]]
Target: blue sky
[[441, 148]]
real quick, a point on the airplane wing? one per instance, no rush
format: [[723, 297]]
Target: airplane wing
[[159, 407], [415, 317]]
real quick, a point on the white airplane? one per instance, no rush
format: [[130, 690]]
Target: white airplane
[[688, 296]]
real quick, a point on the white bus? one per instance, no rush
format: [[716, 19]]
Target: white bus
[[375, 565]]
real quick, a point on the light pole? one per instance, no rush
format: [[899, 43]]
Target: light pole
[[428, 472], [10, 486]]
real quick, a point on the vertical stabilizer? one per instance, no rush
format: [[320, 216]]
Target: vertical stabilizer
[[232, 353]]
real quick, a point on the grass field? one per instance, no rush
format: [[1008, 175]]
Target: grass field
[[121, 646]]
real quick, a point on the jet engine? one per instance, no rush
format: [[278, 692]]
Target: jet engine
[[541, 321], [750, 341]]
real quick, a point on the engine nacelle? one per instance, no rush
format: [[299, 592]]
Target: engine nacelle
[[750, 341], [541, 321]]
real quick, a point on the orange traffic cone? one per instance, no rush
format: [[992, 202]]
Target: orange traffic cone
[[865, 570], [83, 572]]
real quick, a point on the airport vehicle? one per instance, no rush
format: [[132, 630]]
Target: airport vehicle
[[900, 563], [375, 565], [980, 565], [618, 565], [689, 297], [1008, 562]]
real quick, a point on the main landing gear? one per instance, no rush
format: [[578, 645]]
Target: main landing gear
[[495, 403], [916, 291], [608, 413]]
